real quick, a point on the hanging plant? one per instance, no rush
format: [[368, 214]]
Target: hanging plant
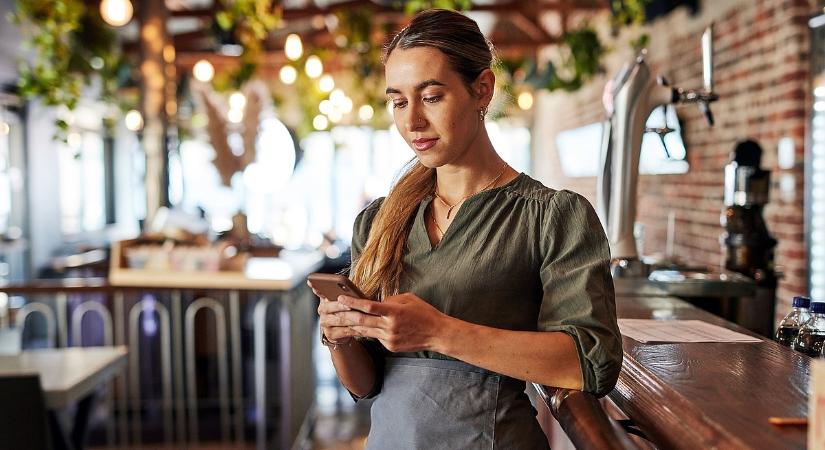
[[247, 22], [72, 47], [629, 13], [414, 6], [582, 55]]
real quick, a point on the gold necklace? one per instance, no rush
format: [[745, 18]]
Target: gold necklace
[[450, 207], [435, 222]]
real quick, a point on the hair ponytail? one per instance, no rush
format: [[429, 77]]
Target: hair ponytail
[[378, 270]]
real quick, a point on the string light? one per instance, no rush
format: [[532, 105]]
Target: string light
[[203, 71], [235, 115], [525, 100], [237, 100], [116, 12], [288, 74], [326, 83], [320, 122], [293, 47], [314, 68], [133, 120], [365, 112]]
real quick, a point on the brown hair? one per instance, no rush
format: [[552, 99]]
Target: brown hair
[[379, 268]]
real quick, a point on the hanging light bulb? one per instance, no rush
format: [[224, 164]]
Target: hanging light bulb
[[203, 71], [320, 122], [116, 12], [365, 112], [525, 100], [235, 115], [293, 47], [326, 83], [288, 74], [337, 97], [133, 120], [314, 68], [237, 100]]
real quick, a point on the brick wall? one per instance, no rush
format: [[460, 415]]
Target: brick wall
[[762, 76]]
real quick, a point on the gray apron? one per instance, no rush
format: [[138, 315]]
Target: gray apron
[[442, 404]]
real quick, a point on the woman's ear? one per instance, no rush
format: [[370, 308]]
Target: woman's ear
[[485, 86]]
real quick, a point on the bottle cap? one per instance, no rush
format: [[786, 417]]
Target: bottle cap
[[801, 302], [818, 307]]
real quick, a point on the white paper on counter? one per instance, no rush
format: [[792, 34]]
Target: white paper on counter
[[661, 331]]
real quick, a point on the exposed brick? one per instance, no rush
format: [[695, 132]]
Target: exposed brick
[[762, 63]]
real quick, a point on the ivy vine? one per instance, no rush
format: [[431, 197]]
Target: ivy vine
[[72, 47], [248, 22]]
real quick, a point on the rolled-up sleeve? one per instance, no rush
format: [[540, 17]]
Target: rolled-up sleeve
[[360, 233], [578, 297]]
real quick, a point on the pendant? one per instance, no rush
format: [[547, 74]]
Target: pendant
[[449, 211]]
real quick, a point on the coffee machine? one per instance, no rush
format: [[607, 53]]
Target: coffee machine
[[748, 245]]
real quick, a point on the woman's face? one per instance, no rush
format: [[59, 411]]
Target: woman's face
[[432, 108]]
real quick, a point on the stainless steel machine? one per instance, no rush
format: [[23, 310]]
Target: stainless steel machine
[[629, 99]]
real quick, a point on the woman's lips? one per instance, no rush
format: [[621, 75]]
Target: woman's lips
[[423, 144]]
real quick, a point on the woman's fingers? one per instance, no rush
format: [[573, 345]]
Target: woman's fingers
[[338, 333], [327, 307], [351, 318]]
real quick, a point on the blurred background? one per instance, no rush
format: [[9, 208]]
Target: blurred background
[[171, 170]]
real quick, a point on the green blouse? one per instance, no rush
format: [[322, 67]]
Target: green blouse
[[518, 257]]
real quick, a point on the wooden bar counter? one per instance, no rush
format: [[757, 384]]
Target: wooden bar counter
[[709, 395]]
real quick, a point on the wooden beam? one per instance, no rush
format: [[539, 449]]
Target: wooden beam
[[310, 11]]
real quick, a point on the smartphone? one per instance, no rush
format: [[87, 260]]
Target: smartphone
[[333, 285]]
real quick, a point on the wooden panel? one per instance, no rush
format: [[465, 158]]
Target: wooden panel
[[582, 418], [707, 395]]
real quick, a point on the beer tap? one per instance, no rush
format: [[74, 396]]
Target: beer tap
[[629, 99], [706, 95]]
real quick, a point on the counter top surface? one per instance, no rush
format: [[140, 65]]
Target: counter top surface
[[281, 273], [709, 395]]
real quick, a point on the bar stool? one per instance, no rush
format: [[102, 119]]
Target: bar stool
[[148, 305], [223, 365], [46, 312], [77, 338]]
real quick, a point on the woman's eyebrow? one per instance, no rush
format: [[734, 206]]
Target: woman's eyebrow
[[418, 87]]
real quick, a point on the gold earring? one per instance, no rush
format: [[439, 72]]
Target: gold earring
[[481, 113]]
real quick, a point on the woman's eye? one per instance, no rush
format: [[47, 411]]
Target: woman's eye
[[433, 99], [399, 104]]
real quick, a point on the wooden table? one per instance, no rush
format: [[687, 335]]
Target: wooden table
[[67, 374], [709, 395]]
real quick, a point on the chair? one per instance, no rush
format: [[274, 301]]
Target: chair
[[23, 419]]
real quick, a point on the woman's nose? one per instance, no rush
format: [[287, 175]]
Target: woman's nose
[[416, 121]]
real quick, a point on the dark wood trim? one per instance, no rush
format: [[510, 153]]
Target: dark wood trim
[[583, 419], [709, 395]]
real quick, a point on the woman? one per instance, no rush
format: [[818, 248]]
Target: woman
[[486, 278]]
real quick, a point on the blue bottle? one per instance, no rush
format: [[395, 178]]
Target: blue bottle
[[789, 327], [812, 333]]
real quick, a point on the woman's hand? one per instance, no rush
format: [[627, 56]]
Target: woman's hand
[[330, 323], [402, 323]]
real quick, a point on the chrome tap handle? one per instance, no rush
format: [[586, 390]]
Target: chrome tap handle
[[707, 58], [705, 108], [700, 96]]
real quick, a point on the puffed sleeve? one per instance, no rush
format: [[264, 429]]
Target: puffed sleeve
[[578, 289], [360, 233]]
